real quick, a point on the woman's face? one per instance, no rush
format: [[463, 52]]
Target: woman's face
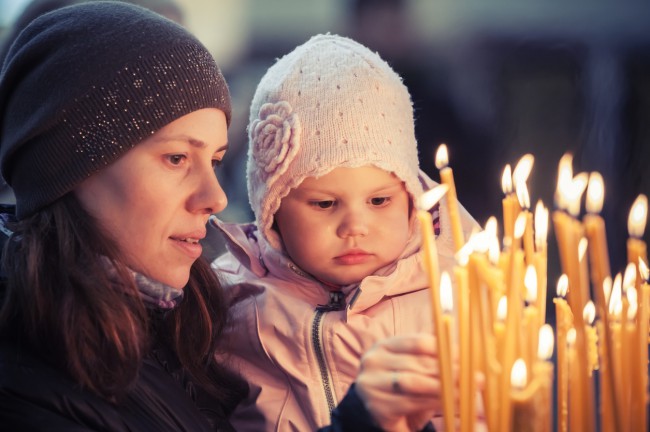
[[156, 199]]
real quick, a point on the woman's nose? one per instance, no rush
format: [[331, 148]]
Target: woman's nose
[[210, 197]]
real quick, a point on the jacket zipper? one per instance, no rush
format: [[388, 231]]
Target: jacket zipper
[[317, 343]]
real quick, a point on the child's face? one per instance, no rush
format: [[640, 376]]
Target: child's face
[[346, 224]]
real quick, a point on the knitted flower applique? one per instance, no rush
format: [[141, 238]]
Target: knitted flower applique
[[275, 137]]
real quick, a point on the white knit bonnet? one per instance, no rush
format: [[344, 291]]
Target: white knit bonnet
[[329, 103]]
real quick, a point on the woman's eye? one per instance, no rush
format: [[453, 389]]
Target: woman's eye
[[216, 163], [322, 204], [176, 159], [378, 201]]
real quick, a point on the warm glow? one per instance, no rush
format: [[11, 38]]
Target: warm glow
[[479, 241], [583, 244], [643, 269], [607, 288], [491, 226], [506, 180], [446, 296], [520, 225], [562, 286], [462, 256], [615, 298], [522, 194], [546, 342], [541, 226], [442, 157], [494, 250], [595, 193], [638, 217], [629, 276], [564, 177], [589, 313], [633, 303], [530, 282], [502, 309], [519, 374], [431, 197], [523, 168], [571, 336], [577, 188]]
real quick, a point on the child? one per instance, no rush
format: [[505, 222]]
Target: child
[[331, 265]]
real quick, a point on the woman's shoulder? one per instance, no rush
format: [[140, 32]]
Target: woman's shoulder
[[34, 395]]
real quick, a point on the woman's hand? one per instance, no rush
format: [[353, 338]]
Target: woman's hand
[[399, 382]]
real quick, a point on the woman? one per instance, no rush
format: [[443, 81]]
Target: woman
[[112, 120]]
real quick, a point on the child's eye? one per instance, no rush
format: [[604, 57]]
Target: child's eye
[[379, 201], [322, 204], [216, 163]]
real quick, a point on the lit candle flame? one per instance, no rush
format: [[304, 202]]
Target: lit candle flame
[[629, 276], [643, 270], [589, 313], [595, 193], [571, 337], [546, 342], [562, 286], [577, 188], [506, 180], [502, 309], [446, 296], [522, 194], [519, 374], [541, 226], [583, 244], [494, 251], [607, 288], [638, 217], [491, 226], [523, 168], [615, 298], [530, 282], [431, 197], [633, 303], [564, 176], [442, 157], [520, 225]]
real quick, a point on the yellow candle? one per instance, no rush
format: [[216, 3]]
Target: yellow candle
[[600, 273], [575, 417], [606, 391], [541, 258], [564, 321], [447, 178], [510, 205], [639, 400], [466, 401], [512, 341], [499, 323], [430, 258], [447, 305], [595, 232], [636, 248], [530, 318]]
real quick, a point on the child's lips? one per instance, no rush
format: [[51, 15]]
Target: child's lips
[[352, 257]]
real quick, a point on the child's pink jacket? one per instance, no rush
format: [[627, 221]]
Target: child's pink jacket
[[299, 362]]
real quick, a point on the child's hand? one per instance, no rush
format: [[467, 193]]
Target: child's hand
[[399, 382]]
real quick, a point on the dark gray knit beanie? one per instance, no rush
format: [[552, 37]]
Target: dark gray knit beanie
[[82, 85]]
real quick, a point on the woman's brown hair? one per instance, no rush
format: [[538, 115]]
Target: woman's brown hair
[[66, 301]]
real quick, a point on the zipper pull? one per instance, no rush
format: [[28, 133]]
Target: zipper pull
[[336, 302]]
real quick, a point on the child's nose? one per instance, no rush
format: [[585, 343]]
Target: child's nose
[[353, 224]]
